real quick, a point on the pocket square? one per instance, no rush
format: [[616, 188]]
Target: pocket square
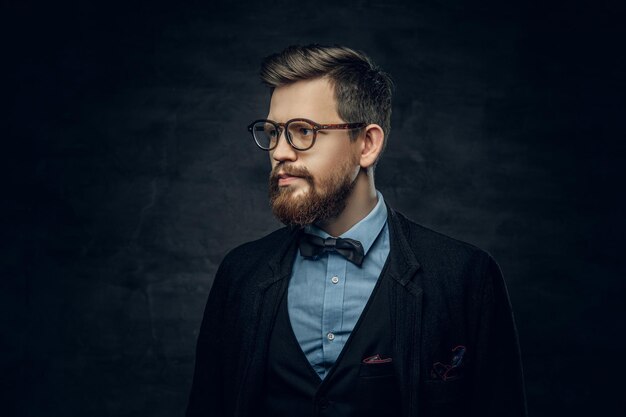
[[451, 371], [377, 359]]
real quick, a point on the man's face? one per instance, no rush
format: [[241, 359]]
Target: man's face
[[313, 185]]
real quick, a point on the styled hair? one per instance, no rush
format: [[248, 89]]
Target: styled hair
[[362, 90]]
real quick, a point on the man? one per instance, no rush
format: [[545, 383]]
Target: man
[[351, 309]]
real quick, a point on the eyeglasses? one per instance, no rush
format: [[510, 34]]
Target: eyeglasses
[[300, 133]]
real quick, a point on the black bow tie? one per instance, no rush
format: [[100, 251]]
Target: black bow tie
[[352, 250]]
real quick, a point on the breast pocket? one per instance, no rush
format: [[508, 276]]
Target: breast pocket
[[376, 391], [376, 370]]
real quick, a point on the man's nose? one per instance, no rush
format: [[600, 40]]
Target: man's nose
[[283, 150]]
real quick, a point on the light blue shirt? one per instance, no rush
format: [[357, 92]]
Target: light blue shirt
[[327, 294]]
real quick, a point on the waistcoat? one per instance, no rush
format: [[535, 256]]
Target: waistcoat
[[360, 383]]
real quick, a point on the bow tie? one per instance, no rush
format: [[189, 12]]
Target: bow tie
[[352, 250]]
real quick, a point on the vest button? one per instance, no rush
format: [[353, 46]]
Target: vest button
[[323, 402]]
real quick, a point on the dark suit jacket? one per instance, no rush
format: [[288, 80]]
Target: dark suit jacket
[[446, 293]]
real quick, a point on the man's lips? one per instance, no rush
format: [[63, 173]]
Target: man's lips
[[286, 178]]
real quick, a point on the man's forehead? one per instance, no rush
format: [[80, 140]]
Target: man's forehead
[[311, 99]]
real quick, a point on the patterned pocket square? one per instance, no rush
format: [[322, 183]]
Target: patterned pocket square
[[377, 359], [448, 372]]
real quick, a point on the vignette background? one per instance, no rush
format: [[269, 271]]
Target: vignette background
[[132, 174]]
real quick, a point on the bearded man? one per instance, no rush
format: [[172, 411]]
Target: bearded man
[[351, 309]]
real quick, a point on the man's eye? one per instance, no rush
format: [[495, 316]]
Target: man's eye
[[272, 133], [305, 131]]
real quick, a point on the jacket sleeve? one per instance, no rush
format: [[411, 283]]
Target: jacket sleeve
[[206, 397], [498, 383]]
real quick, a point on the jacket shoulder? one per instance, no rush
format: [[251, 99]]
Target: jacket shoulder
[[450, 267], [429, 244], [263, 247]]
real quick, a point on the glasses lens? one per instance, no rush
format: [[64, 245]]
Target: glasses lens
[[265, 134], [301, 134]]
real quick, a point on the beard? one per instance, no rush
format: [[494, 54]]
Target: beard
[[316, 204]]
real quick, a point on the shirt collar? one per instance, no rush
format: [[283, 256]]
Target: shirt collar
[[365, 231]]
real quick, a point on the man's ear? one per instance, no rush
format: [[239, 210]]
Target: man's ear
[[373, 141]]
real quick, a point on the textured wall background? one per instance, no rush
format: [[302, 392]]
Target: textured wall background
[[131, 174]]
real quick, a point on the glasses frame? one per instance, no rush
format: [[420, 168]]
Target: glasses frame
[[280, 127]]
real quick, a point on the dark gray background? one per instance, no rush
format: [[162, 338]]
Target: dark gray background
[[131, 174]]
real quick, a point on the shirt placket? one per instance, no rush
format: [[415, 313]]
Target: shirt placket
[[332, 313]]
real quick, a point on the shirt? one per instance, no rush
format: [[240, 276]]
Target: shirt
[[327, 294]]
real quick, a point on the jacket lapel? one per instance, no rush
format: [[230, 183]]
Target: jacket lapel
[[271, 285], [406, 311]]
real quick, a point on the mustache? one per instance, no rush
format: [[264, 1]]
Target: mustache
[[290, 170]]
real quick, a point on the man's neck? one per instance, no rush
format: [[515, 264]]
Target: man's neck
[[359, 204]]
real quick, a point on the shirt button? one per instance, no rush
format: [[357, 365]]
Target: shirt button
[[330, 336], [334, 280]]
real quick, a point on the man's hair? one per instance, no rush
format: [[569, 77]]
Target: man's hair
[[362, 90]]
